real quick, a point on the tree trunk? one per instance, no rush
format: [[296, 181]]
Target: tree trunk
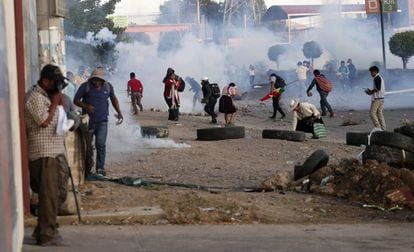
[[405, 61]]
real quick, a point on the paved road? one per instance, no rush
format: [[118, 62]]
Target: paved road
[[254, 238]]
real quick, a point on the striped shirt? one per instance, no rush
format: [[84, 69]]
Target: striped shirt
[[41, 142]]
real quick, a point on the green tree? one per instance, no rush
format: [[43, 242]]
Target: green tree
[[274, 52], [312, 50], [402, 45], [91, 16]]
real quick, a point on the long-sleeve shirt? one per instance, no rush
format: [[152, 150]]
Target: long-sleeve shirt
[[305, 110]]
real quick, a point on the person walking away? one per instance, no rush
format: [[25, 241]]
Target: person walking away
[[226, 104], [324, 87], [135, 91], [275, 83], [343, 75], [92, 96], [305, 115], [352, 73], [377, 94], [46, 148], [301, 73], [171, 86], [209, 98], [251, 75], [196, 89]]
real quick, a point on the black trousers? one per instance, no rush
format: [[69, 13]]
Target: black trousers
[[209, 107], [173, 112], [276, 107]]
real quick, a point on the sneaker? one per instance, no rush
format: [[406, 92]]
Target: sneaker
[[272, 117], [213, 121], [101, 172], [332, 114], [323, 114], [283, 116]]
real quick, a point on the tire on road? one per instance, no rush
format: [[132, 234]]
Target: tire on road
[[357, 138], [289, 135], [314, 162], [407, 130], [392, 139], [392, 156], [211, 134], [154, 131]]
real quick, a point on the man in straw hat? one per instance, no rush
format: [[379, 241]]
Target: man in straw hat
[[304, 116], [92, 96]]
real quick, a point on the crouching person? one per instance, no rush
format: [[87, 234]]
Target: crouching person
[[307, 118]]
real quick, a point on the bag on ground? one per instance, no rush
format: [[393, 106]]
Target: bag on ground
[[319, 130]]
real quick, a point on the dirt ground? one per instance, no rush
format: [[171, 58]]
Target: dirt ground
[[231, 163]]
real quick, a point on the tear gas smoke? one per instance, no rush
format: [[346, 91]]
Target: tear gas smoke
[[341, 38]]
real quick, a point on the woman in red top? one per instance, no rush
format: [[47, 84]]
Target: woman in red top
[[172, 83]]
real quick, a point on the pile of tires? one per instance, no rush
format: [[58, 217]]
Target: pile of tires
[[357, 138], [296, 136], [220, 133], [395, 149]]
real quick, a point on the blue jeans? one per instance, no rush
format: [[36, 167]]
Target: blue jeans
[[99, 130], [324, 102]]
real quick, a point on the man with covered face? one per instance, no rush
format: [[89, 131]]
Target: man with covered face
[[46, 152], [92, 96]]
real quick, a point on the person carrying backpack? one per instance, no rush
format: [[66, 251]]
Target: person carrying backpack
[[324, 86], [275, 83], [92, 96], [210, 97]]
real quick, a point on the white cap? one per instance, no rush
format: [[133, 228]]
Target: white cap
[[293, 104], [205, 78]]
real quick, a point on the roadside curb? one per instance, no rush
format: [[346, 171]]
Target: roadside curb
[[144, 215]]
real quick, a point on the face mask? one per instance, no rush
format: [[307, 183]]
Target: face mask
[[273, 79]]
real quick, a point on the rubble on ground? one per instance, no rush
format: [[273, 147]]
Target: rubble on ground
[[371, 183]]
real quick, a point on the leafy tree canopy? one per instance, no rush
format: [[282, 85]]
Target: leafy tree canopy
[[402, 45], [312, 50], [275, 51], [89, 16]]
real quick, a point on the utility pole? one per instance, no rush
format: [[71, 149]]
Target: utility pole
[[250, 8], [384, 61]]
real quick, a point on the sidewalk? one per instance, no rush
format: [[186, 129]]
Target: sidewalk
[[243, 238]]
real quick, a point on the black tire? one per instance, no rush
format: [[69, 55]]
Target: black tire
[[357, 138], [392, 139], [407, 130], [154, 131], [392, 156], [211, 134], [297, 136], [314, 162]]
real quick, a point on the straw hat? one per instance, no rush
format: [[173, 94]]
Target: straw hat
[[293, 104], [98, 73]]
